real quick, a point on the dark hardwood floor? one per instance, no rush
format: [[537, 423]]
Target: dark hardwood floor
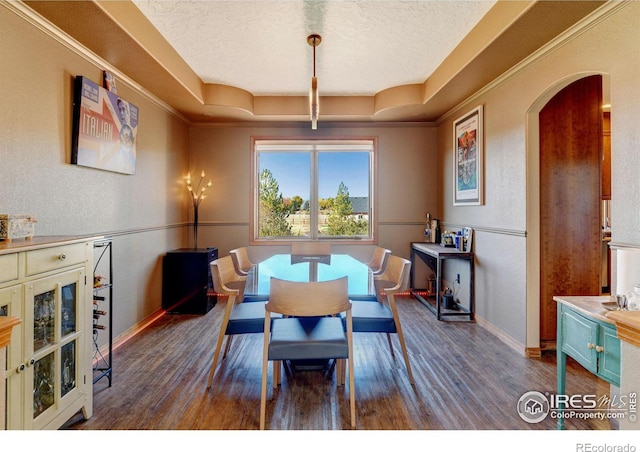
[[466, 379]]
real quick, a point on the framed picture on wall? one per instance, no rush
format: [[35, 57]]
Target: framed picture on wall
[[468, 161], [105, 129]]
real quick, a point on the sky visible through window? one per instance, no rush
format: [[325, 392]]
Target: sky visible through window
[[292, 171]]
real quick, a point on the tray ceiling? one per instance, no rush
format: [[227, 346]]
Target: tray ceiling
[[224, 60]]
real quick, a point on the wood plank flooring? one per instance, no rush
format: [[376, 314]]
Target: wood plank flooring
[[466, 379]]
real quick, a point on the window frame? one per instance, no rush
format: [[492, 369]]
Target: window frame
[[314, 146]]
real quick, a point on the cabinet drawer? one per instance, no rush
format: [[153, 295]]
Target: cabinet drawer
[[46, 259], [579, 332], [8, 267]]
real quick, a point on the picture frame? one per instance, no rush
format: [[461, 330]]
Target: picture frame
[[105, 129], [468, 158]]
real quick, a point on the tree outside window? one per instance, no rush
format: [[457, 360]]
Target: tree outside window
[[291, 206]]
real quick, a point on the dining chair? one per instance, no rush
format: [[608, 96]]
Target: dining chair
[[239, 317], [378, 262], [310, 248], [382, 316], [241, 260], [308, 329]]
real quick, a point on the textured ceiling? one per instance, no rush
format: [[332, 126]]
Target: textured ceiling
[[261, 46]]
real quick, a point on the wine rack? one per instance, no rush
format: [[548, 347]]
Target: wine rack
[[103, 310]]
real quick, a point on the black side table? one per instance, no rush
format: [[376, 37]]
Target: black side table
[[433, 255], [186, 281]]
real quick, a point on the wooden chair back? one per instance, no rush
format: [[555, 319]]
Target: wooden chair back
[[226, 281], [394, 279], [308, 299], [378, 262], [241, 260]]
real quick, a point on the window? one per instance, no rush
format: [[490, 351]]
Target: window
[[313, 190]]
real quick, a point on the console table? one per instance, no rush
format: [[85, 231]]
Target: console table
[[433, 255]]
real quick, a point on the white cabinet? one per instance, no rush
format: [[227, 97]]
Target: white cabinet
[[47, 283]]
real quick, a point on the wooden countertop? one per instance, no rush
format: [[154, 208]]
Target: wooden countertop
[[589, 305], [16, 245], [628, 325], [6, 324], [627, 322]]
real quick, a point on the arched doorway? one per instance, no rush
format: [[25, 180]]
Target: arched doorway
[[563, 200]]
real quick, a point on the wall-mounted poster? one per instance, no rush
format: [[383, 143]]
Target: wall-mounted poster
[[468, 159], [109, 82], [105, 128]]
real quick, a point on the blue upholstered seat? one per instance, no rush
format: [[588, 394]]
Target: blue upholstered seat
[[307, 338], [246, 318], [372, 317]]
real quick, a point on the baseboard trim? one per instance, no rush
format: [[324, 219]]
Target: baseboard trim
[[504, 337], [533, 352]]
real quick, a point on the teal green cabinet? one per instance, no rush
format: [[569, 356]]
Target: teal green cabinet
[[593, 343]]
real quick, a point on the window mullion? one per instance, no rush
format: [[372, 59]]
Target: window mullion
[[314, 204]]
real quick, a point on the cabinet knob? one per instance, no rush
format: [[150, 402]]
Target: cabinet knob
[[21, 368], [590, 345], [31, 362], [62, 257], [599, 348]]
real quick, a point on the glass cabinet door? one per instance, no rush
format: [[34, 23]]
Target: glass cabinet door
[[10, 305], [51, 344]]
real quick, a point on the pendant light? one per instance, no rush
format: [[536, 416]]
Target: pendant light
[[314, 40]]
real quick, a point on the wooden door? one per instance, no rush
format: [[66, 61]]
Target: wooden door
[[570, 157]]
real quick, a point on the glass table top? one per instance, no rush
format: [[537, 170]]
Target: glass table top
[[310, 268]]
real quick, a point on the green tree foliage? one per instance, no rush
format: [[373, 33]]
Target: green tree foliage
[[295, 204], [272, 211], [325, 204], [341, 222]]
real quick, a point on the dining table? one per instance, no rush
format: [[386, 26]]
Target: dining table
[[309, 268]]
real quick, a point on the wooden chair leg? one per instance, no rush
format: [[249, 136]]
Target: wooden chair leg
[[216, 354], [352, 387], [406, 355], [396, 318], [265, 368]]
